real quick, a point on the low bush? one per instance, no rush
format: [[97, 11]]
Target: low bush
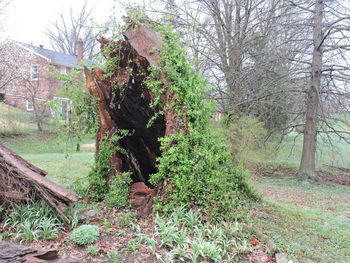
[[201, 176], [85, 234], [246, 135], [119, 192]]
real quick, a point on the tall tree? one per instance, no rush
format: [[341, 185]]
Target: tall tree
[[308, 160], [328, 91], [70, 27]]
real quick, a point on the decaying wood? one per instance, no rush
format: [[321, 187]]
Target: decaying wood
[[124, 102], [15, 253], [11, 252], [23, 182]]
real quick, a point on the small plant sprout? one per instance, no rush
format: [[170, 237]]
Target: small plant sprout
[[49, 228], [192, 219], [134, 246], [121, 233], [126, 219], [93, 250]]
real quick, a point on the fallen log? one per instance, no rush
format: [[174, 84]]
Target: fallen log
[[14, 253], [21, 181]]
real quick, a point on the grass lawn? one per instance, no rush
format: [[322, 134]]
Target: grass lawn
[[16, 121], [61, 170], [309, 222], [44, 149], [47, 152], [289, 152]]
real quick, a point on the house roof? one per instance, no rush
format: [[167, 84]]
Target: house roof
[[52, 57]]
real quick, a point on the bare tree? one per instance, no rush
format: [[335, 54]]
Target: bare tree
[[285, 61], [4, 78], [327, 95], [69, 28], [307, 165], [238, 46]]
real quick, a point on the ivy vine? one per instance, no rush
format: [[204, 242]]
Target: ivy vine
[[197, 166]]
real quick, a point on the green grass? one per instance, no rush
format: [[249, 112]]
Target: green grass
[[16, 121], [309, 222], [48, 151], [62, 170]]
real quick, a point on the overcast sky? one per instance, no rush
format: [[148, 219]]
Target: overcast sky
[[26, 20]]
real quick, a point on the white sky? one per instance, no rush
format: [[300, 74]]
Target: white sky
[[26, 20]]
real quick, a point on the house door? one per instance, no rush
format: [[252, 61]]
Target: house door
[[64, 110]]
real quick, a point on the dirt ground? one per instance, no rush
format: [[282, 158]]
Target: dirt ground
[[118, 239]]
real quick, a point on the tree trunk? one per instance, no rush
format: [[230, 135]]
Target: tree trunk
[[124, 103], [307, 164]]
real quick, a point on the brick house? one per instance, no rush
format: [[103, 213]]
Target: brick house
[[26, 81]]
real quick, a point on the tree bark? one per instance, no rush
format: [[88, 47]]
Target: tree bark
[[308, 160], [125, 103], [21, 181]]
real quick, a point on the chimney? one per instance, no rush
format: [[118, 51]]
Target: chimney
[[80, 51]]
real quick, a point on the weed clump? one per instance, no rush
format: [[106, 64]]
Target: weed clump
[[85, 234], [33, 222], [93, 250]]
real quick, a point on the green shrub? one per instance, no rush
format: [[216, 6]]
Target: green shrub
[[200, 173], [98, 188], [100, 171], [85, 234], [196, 164], [246, 135], [119, 192]]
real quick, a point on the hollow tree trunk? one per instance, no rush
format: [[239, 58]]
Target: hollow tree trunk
[[307, 164], [124, 104]]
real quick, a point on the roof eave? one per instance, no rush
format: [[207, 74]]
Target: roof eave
[[30, 50]]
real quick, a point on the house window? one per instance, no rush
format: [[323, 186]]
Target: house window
[[63, 70], [34, 73], [2, 97], [30, 105]]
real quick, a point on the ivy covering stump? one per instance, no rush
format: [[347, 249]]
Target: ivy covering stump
[[154, 126]]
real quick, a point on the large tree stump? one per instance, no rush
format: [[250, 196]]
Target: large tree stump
[[124, 103]]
